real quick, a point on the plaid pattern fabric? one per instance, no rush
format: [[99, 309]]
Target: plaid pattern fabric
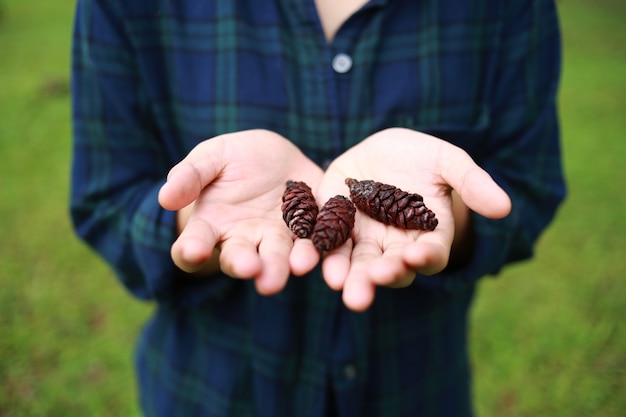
[[153, 78]]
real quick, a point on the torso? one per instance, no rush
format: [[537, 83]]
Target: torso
[[333, 13]]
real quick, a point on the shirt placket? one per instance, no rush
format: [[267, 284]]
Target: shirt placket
[[346, 356]]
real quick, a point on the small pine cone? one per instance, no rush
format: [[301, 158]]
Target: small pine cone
[[299, 208], [390, 205], [334, 224]]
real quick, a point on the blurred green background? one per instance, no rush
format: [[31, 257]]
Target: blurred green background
[[548, 338]]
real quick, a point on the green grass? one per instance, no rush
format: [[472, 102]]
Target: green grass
[[547, 337], [67, 329]]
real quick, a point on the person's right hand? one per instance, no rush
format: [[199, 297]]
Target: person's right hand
[[235, 184]]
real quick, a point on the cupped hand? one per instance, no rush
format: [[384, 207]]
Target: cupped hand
[[385, 255], [235, 183]]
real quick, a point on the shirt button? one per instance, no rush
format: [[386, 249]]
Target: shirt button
[[349, 372], [342, 63]]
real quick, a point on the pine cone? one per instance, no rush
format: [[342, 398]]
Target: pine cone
[[390, 205], [299, 208], [334, 224]]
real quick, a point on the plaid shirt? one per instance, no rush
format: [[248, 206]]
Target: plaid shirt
[[153, 78]]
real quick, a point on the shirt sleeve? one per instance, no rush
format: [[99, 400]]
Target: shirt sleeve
[[521, 150], [119, 165]]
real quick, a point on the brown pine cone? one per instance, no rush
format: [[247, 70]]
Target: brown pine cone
[[334, 224], [299, 208], [390, 205]]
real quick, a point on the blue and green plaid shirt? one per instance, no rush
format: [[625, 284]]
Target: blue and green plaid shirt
[[153, 78]]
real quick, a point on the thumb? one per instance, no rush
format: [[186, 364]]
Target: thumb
[[473, 184], [188, 178]]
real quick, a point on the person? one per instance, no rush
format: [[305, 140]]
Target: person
[[190, 116]]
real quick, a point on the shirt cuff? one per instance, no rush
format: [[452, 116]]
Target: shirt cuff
[[153, 231]]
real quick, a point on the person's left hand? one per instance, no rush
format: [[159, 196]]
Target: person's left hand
[[384, 255]]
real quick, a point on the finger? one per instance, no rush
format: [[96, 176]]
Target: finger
[[358, 289], [358, 292], [404, 280], [188, 178], [390, 268], [303, 257], [364, 254], [336, 266], [194, 246], [426, 256], [274, 255], [183, 186], [239, 258], [475, 186]]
